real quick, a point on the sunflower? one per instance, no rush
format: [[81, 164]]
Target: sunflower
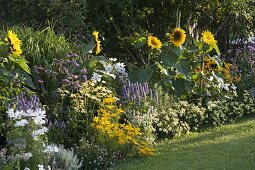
[[14, 42], [208, 38], [98, 49], [178, 37], [154, 42]]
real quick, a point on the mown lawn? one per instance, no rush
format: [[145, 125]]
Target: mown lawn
[[227, 147]]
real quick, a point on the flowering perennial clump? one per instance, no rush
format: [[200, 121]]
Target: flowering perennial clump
[[107, 122]]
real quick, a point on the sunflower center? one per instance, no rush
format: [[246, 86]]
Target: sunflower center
[[177, 35], [154, 42]]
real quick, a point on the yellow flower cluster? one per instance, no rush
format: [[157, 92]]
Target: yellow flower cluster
[[107, 122], [144, 149], [14, 42], [209, 65], [98, 42], [89, 91], [226, 71]]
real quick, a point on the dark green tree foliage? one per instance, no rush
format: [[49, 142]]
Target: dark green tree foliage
[[122, 22], [67, 16]]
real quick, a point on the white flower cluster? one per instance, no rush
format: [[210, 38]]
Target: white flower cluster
[[222, 85], [22, 118], [39, 132], [37, 115], [24, 156], [51, 149], [41, 167], [111, 69]]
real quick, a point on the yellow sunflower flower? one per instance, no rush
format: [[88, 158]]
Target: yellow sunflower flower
[[154, 42], [98, 42], [208, 38], [178, 37], [14, 42]]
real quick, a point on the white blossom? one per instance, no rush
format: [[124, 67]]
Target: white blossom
[[50, 149], [120, 68], [26, 156], [22, 122], [233, 87], [113, 59], [26, 168], [108, 68], [107, 73], [96, 77], [14, 115], [40, 167], [39, 132]]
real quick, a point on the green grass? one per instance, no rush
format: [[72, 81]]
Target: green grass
[[227, 147]]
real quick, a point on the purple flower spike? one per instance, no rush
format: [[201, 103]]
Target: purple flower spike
[[24, 104], [136, 92]]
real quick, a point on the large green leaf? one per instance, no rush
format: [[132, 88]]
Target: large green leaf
[[177, 51], [24, 66], [184, 68], [169, 59], [88, 48], [179, 85], [139, 74], [21, 62]]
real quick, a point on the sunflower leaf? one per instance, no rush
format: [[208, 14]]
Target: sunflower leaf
[[169, 59], [139, 74], [184, 68]]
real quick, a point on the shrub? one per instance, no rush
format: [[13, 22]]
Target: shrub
[[227, 110], [64, 159], [176, 117]]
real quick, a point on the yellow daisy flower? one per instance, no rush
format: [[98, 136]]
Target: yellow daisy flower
[[154, 42], [178, 37], [14, 42], [98, 42], [208, 38]]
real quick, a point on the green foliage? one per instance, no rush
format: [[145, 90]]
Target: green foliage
[[42, 47]]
